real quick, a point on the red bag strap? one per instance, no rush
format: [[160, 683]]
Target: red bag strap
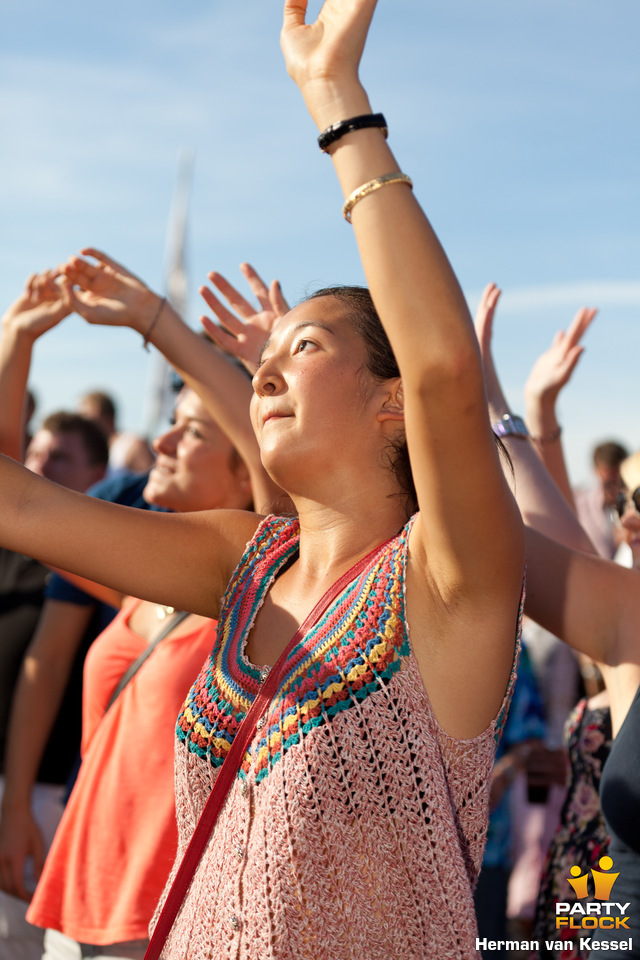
[[231, 765]]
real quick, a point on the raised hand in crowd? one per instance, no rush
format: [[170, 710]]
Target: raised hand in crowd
[[42, 305], [542, 486], [244, 337], [104, 292], [591, 604], [550, 373]]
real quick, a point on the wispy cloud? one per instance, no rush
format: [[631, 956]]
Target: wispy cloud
[[598, 293]]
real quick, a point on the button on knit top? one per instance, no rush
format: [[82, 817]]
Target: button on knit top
[[355, 825]]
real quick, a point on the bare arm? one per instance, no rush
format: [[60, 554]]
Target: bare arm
[[425, 316], [549, 374], [43, 681], [592, 604], [107, 293], [96, 590], [41, 306], [541, 503], [184, 560], [470, 575]]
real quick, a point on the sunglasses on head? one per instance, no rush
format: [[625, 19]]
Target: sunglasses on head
[[623, 499]]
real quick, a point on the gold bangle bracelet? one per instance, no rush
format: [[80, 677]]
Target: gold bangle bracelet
[[369, 187]]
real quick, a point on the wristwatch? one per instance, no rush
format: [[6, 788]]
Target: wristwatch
[[510, 425]]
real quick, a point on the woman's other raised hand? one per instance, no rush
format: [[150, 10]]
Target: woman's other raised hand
[[549, 374], [553, 368], [245, 337], [41, 306]]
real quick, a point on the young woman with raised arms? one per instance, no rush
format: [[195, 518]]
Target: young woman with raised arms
[[354, 825]]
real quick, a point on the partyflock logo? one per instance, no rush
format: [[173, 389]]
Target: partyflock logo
[[585, 915], [603, 882], [601, 912]]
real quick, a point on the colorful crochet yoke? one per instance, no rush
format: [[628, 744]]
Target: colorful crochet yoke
[[355, 826]]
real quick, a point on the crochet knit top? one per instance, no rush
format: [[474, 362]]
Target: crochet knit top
[[355, 825]]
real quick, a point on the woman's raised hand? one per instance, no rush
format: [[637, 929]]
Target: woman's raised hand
[[549, 374], [41, 306], [245, 337], [484, 332], [107, 293], [320, 56], [553, 368]]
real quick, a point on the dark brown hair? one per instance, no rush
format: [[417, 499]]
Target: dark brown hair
[[381, 364], [92, 437], [609, 454]]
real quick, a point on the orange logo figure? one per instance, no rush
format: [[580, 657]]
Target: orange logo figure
[[603, 881], [580, 883]]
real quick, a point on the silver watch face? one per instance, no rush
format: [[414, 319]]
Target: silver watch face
[[510, 425]]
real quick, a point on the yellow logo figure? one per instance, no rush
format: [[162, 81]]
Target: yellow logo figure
[[603, 881], [579, 884]]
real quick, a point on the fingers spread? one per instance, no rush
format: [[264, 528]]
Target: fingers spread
[[276, 299], [486, 309], [570, 361], [580, 324], [226, 318], [103, 258], [80, 271], [257, 284], [219, 335], [235, 298]]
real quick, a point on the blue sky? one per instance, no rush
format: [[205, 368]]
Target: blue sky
[[518, 122]]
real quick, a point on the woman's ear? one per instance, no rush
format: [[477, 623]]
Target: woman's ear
[[392, 407]]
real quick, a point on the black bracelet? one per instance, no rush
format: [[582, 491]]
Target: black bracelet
[[337, 130]]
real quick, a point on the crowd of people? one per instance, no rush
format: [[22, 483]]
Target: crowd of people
[[280, 686]]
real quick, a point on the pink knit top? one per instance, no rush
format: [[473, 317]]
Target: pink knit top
[[355, 826]]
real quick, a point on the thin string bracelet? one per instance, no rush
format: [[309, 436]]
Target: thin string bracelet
[[156, 317], [547, 438], [361, 192]]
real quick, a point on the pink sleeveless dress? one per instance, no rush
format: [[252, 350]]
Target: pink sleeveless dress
[[355, 826]]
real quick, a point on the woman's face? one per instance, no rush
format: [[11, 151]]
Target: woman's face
[[196, 467], [315, 401]]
